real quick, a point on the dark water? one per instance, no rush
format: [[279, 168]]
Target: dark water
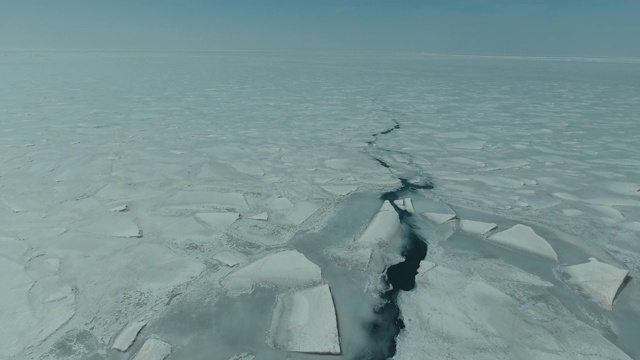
[[399, 277]]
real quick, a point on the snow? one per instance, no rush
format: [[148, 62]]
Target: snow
[[153, 349], [305, 321], [598, 281], [281, 269], [524, 238]]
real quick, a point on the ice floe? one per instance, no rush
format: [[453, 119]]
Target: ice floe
[[154, 349], [218, 220], [305, 321], [476, 227], [451, 314], [128, 335], [283, 269], [384, 227], [405, 204], [439, 218], [524, 238], [598, 281], [243, 356], [229, 258], [263, 216]]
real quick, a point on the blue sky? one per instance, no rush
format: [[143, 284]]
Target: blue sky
[[515, 27]]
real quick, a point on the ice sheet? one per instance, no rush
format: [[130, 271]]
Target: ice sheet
[[107, 158]]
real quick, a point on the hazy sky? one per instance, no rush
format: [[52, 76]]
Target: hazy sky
[[525, 27]]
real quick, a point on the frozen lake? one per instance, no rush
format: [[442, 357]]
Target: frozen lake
[[219, 205]]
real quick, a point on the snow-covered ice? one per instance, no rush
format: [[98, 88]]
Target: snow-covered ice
[[439, 218], [454, 315], [524, 238], [218, 220], [281, 269], [128, 335], [153, 349], [145, 182], [597, 280], [476, 227], [384, 227], [305, 321]]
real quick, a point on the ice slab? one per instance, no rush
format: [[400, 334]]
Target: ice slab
[[405, 204], [153, 349], [120, 208], [285, 269], [229, 258], [599, 281], [126, 338], [305, 321], [384, 227], [523, 238], [243, 356], [218, 220], [341, 190], [439, 218], [476, 227], [263, 216]]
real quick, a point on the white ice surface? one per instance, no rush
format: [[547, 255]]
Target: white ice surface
[[342, 190], [243, 356], [281, 269], [384, 227], [305, 321], [522, 237], [454, 315], [218, 220], [128, 335], [153, 349], [439, 218], [172, 135], [476, 227], [597, 280]]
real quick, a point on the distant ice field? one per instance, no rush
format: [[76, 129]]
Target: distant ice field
[[245, 205]]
